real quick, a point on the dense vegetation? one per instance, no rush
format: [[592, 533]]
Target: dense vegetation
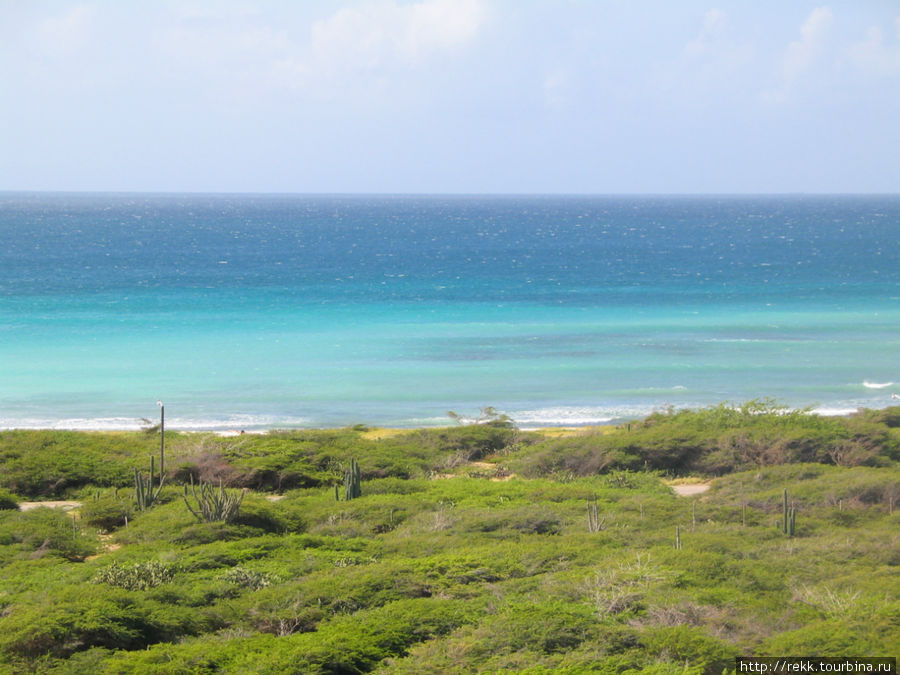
[[468, 549]]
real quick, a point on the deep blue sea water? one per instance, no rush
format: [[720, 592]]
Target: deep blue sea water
[[252, 311]]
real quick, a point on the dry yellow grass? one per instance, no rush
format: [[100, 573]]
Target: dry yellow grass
[[567, 432], [379, 433]]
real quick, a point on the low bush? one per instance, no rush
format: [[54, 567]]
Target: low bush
[[137, 577], [49, 463], [8, 501], [107, 513], [45, 531], [247, 578], [79, 618]]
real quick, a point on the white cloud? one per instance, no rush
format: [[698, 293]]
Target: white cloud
[[708, 67], [802, 53], [714, 23], [67, 31], [873, 56], [369, 35], [363, 48]]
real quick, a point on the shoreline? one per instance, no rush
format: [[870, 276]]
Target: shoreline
[[227, 427]]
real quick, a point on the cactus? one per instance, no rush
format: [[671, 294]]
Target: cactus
[[136, 577], [351, 481], [595, 522], [788, 515], [144, 493], [214, 505]]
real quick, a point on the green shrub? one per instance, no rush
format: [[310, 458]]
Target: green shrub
[[360, 642], [78, 618], [107, 513], [263, 516], [835, 637], [245, 578], [548, 627], [528, 520], [45, 531], [137, 577], [206, 533], [48, 463], [687, 645], [8, 501]]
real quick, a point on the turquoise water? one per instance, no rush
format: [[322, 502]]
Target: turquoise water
[[253, 312]]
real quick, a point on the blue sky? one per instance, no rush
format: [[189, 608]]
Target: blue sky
[[437, 96]]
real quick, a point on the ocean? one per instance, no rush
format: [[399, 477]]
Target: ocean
[[269, 311]]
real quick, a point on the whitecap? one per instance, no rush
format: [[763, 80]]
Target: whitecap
[[825, 411], [876, 385], [557, 417], [74, 423], [230, 423]]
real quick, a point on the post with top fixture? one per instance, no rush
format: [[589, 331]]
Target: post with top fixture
[[162, 439]]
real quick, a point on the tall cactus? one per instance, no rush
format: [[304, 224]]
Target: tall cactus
[[788, 515], [144, 493], [595, 522], [214, 505], [352, 488]]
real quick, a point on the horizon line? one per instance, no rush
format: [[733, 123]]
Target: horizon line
[[274, 193]]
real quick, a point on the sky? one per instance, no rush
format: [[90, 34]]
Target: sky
[[451, 96]]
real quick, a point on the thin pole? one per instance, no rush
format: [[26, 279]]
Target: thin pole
[[162, 439]]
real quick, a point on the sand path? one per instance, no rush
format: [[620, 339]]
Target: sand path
[[65, 506], [688, 490]]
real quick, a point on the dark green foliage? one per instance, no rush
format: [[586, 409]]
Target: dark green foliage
[[47, 532], [78, 618], [8, 501], [717, 440], [262, 515], [107, 513], [48, 463], [687, 644]]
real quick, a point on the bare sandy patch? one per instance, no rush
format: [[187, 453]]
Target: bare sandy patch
[[64, 505], [689, 490]]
